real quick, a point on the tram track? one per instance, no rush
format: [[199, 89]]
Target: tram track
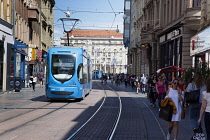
[[105, 117], [31, 109], [47, 111]]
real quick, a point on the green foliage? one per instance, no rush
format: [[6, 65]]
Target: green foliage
[[203, 68], [188, 75]]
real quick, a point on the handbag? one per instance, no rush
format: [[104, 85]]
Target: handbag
[[166, 113], [192, 96], [153, 89], [198, 135]]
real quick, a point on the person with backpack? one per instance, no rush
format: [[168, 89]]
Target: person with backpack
[[198, 83]]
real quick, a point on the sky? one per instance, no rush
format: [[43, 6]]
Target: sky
[[93, 14]]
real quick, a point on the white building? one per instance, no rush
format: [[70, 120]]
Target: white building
[[106, 48]]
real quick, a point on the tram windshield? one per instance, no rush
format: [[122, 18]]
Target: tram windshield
[[63, 67]]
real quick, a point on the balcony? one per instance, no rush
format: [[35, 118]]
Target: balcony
[[192, 17], [33, 14]]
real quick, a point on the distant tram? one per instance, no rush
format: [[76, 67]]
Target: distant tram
[[69, 73], [97, 73]]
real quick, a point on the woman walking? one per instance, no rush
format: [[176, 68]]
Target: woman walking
[[175, 95], [206, 108], [160, 89], [196, 84]]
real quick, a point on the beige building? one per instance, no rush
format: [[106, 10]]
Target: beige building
[[205, 14], [6, 42], [106, 48], [26, 33], [161, 32]]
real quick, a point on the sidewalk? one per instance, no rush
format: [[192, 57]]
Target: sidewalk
[[16, 99]]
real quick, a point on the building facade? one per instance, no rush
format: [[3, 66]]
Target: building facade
[[6, 43], [200, 42], [21, 38], [106, 48], [161, 32]]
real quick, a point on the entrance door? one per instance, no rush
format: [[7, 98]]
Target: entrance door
[[1, 64]]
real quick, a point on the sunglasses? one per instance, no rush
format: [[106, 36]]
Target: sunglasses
[[176, 83]]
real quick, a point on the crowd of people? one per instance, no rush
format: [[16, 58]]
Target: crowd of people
[[158, 87]]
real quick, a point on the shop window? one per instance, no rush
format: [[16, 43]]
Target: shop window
[[196, 3]]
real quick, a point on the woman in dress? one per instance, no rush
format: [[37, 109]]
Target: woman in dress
[[175, 95]]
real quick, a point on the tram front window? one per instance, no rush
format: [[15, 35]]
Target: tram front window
[[63, 67]]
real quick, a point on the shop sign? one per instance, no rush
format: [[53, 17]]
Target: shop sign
[[200, 43], [162, 39], [33, 55], [175, 33], [145, 38], [39, 54]]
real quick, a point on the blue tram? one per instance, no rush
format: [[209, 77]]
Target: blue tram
[[97, 74], [68, 73]]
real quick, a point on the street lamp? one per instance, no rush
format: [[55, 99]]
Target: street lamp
[[72, 21], [117, 30], [124, 16]]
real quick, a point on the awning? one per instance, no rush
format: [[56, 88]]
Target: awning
[[33, 62], [171, 69]]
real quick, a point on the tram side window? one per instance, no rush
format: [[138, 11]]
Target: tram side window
[[80, 73]]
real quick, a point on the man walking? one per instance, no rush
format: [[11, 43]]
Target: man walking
[[143, 83]]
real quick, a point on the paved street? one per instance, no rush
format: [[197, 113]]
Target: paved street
[[29, 111]]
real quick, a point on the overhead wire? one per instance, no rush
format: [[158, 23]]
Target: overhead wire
[[114, 14]]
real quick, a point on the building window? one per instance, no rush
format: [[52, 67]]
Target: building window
[[196, 3]]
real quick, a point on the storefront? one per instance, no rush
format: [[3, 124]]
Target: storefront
[[19, 67], [6, 42], [199, 48], [170, 50]]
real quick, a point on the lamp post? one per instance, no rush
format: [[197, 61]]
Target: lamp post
[[73, 21]]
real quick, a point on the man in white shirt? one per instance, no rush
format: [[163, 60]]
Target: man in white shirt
[[143, 81]]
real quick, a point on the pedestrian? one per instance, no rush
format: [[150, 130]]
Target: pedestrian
[[153, 91], [41, 81], [206, 108], [137, 84], [181, 85], [160, 89], [165, 80], [143, 84], [132, 81], [30, 81], [126, 80], [197, 83], [149, 82], [112, 78], [34, 82], [175, 95]]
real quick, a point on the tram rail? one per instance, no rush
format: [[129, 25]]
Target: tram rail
[[105, 111]]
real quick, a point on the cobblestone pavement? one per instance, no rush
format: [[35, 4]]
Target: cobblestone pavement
[[151, 128]]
